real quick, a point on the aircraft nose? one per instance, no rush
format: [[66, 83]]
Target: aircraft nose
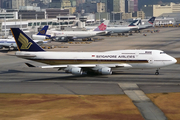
[[174, 60]]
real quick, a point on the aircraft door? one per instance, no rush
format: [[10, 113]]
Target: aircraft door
[[151, 60]]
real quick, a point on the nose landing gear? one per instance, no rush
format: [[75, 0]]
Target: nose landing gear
[[157, 72]]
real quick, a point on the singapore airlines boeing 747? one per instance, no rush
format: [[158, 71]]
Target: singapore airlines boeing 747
[[82, 62]]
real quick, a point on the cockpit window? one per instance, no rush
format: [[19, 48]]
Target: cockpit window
[[162, 53]]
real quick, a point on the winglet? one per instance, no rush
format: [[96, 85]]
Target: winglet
[[103, 26], [24, 43], [30, 65]]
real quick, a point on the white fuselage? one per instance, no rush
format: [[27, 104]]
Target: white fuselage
[[116, 29], [75, 34], [140, 59], [8, 43]]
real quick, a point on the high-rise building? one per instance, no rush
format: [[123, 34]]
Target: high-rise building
[[18, 3], [55, 4], [0, 4], [105, 2], [135, 5], [157, 10], [73, 3], [114, 5], [132, 5], [78, 2], [12, 4], [6, 4], [101, 7], [65, 4], [109, 5]]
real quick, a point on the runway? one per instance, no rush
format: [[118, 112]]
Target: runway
[[16, 77]]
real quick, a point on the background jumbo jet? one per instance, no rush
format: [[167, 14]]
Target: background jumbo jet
[[99, 62], [71, 35], [11, 43], [147, 24], [117, 29]]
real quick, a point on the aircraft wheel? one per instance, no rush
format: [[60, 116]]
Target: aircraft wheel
[[157, 72]]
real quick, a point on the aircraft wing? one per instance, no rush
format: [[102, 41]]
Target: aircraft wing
[[80, 65], [102, 33]]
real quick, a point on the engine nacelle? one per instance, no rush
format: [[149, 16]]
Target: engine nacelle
[[61, 38], [76, 71], [39, 37], [105, 71]]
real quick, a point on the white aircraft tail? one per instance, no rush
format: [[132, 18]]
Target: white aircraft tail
[[102, 26]]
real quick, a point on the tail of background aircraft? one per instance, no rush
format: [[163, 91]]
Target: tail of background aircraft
[[151, 20], [102, 26], [24, 43], [43, 31], [135, 23]]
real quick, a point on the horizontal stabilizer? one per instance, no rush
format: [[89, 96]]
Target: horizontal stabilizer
[[30, 65]]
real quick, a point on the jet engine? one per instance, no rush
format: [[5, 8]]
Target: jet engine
[[76, 71], [39, 37], [105, 71], [61, 39]]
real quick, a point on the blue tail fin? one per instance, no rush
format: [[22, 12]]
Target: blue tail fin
[[43, 30], [24, 43], [151, 20]]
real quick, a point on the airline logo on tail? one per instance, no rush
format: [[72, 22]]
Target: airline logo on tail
[[42, 31], [24, 41], [135, 23], [102, 27]]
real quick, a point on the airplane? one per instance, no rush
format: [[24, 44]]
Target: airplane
[[148, 24], [115, 29], [78, 63], [11, 44], [71, 35], [42, 34]]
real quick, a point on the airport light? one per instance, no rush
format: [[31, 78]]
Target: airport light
[[20, 21], [47, 18], [36, 22], [68, 20], [113, 17], [59, 22], [107, 16], [5, 23], [99, 19]]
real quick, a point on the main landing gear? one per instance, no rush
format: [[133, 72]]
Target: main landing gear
[[157, 72]]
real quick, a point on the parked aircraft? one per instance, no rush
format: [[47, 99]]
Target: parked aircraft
[[111, 29], [11, 43], [147, 24], [83, 62], [71, 35], [42, 34]]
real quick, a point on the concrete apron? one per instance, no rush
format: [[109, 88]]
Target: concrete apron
[[147, 108]]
